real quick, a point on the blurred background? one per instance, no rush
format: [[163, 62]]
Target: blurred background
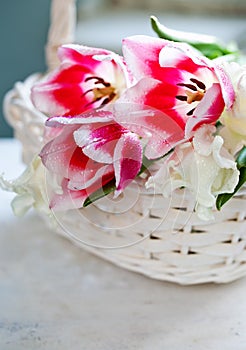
[[103, 23]]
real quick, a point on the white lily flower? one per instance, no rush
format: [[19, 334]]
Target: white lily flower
[[203, 166], [234, 119], [30, 188]]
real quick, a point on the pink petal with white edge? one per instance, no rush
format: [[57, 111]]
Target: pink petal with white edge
[[96, 149], [63, 157], [208, 110], [86, 181], [181, 56], [94, 116], [61, 92], [127, 160], [104, 63], [70, 90], [74, 54], [99, 140], [97, 62], [142, 55], [227, 89], [161, 130], [57, 153], [68, 199]]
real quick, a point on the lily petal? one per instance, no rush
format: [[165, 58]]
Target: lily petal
[[61, 92], [227, 89], [57, 153], [75, 54], [98, 178], [182, 56], [127, 160], [208, 110], [72, 199], [142, 55], [63, 157], [99, 140], [68, 199], [94, 116], [141, 110], [87, 78]]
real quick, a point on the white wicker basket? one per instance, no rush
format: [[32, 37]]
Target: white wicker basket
[[158, 238]]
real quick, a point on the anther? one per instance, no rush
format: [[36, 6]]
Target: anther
[[189, 86], [191, 112], [98, 81], [199, 83], [108, 99], [181, 98]]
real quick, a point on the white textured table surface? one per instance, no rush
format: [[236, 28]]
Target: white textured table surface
[[54, 295]]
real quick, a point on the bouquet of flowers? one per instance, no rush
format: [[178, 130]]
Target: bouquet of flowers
[[170, 113]]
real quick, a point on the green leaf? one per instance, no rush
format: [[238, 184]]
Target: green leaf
[[110, 187], [145, 164], [224, 197], [208, 45], [241, 158], [241, 164], [100, 193]]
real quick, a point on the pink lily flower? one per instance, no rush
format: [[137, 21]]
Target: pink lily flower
[[87, 78], [177, 90], [86, 156]]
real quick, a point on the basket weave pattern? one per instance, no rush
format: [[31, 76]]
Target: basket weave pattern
[[165, 239]]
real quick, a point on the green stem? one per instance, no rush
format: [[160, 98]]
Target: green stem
[[208, 45]]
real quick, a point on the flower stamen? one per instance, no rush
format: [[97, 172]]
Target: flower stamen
[[181, 98], [190, 112], [194, 93], [199, 83], [189, 86], [107, 92], [98, 81]]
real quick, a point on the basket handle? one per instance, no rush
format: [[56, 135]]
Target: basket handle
[[62, 29]]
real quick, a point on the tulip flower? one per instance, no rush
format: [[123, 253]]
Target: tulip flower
[[181, 88], [87, 78], [87, 156]]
